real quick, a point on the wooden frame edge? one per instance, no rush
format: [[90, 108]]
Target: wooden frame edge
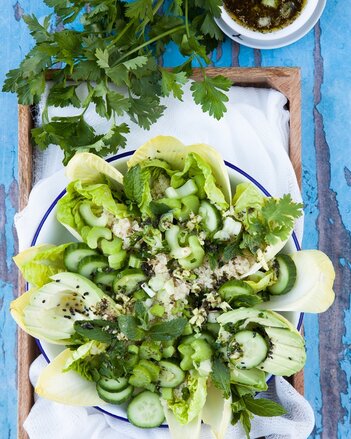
[[284, 79]]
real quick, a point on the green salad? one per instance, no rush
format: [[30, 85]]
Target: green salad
[[167, 303]]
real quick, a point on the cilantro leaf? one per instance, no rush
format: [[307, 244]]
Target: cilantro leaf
[[172, 83], [279, 215], [119, 42], [220, 377], [139, 9], [209, 94], [102, 58], [39, 32]]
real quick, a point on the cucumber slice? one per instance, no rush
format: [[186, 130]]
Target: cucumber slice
[[286, 275], [171, 375], [211, 218], [234, 288], [145, 410], [251, 349], [105, 278], [128, 280], [113, 385], [188, 188], [114, 397], [74, 253], [90, 264], [90, 218]]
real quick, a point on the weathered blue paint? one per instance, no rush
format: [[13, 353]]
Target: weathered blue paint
[[324, 58]]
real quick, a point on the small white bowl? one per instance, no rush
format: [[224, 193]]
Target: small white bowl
[[279, 38]]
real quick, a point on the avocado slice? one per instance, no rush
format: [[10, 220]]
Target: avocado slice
[[287, 353], [49, 312]]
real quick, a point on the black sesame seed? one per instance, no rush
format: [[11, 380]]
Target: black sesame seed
[[57, 280], [86, 293], [290, 358], [67, 317], [43, 301], [63, 309], [77, 286]]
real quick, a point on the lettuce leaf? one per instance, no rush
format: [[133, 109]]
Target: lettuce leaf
[[185, 410], [267, 221], [100, 195], [66, 387], [86, 359], [37, 264], [196, 166], [141, 180]]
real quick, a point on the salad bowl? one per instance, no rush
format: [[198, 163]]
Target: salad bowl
[[51, 231], [184, 291]]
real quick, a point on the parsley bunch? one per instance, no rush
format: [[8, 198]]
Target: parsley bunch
[[116, 48]]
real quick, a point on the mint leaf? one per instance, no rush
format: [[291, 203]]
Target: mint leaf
[[95, 330], [209, 94], [263, 407], [168, 330], [220, 377], [129, 326]]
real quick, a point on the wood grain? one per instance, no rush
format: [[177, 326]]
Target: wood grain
[[285, 80], [27, 348]]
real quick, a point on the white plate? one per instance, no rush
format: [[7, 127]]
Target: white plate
[[257, 43], [50, 231]]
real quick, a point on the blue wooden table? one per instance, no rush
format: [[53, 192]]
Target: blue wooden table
[[324, 56]]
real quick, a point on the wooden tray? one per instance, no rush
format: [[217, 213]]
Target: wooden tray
[[285, 80]]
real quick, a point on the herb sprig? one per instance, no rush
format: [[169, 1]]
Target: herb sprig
[[116, 50]]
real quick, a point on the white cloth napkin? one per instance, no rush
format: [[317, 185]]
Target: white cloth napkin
[[253, 135]]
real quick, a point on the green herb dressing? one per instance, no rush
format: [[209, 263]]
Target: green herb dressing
[[264, 15]]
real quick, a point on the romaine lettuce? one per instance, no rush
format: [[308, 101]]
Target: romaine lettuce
[[39, 263], [85, 360], [196, 166], [185, 410]]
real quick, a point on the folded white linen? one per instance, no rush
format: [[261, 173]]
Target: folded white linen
[[253, 135]]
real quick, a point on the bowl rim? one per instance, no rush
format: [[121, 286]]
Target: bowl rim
[[304, 16], [112, 159]]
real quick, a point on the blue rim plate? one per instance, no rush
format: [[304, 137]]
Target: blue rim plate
[[49, 211]]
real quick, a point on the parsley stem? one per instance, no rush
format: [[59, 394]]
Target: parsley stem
[[187, 18], [147, 43]]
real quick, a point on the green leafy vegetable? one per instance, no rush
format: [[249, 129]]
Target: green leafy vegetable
[[168, 330], [39, 263], [98, 330], [266, 220], [263, 407], [117, 44], [220, 377]]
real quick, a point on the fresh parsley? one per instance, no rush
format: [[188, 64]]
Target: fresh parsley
[[117, 47]]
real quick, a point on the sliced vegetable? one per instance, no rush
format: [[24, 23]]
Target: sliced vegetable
[[89, 265], [286, 277], [145, 410], [171, 375], [217, 412], [115, 397], [74, 253], [313, 289], [66, 387]]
